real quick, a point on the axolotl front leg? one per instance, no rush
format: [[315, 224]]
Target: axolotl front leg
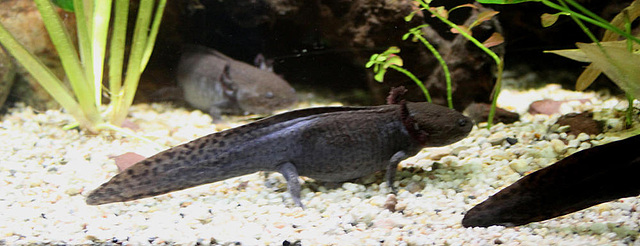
[[290, 173]]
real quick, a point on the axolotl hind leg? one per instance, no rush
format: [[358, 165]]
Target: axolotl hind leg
[[290, 173]]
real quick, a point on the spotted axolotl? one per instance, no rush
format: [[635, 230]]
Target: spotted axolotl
[[333, 144], [217, 84]]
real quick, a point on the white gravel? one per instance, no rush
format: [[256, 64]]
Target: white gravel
[[46, 172]]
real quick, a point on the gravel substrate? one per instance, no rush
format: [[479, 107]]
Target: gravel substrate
[[46, 172]]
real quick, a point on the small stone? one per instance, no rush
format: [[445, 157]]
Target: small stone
[[558, 146], [520, 166], [497, 138], [390, 203]]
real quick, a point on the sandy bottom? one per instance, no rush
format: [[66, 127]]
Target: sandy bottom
[[46, 172]]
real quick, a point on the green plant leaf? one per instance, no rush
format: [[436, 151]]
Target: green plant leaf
[[482, 17], [494, 40], [620, 65], [548, 20], [380, 76], [469, 5], [441, 11], [573, 54], [463, 28], [66, 5], [409, 17]]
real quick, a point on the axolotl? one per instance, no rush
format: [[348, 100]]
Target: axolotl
[[217, 84], [332, 144]]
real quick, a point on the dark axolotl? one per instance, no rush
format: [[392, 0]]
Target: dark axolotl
[[217, 84], [332, 144]]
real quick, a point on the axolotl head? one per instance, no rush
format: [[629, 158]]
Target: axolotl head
[[266, 92], [434, 125]]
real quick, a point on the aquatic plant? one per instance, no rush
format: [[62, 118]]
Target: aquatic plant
[[389, 59], [84, 66], [617, 59], [442, 14]]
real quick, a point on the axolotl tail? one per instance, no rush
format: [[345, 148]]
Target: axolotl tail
[[204, 160]]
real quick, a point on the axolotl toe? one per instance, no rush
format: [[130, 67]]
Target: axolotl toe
[[333, 144]]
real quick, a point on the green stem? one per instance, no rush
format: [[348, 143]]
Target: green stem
[[603, 24], [496, 58], [496, 92], [629, 113], [415, 79], [581, 25], [443, 64]]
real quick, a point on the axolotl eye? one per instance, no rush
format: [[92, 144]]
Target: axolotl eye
[[463, 122]]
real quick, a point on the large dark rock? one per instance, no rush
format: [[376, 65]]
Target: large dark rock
[[325, 44]]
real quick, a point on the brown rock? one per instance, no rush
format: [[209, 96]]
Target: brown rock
[[549, 107], [479, 112], [582, 122], [7, 75]]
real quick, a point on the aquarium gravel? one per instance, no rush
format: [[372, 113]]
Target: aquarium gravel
[[47, 171]]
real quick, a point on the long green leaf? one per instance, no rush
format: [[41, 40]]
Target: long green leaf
[[116, 50], [69, 58], [84, 43], [620, 65], [42, 74], [155, 26], [99, 30], [132, 77]]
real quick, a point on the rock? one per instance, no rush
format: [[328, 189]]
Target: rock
[[580, 123], [549, 107], [7, 75], [22, 20], [479, 112], [127, 159]]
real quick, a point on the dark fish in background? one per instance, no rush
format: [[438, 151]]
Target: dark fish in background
[[584, 179]]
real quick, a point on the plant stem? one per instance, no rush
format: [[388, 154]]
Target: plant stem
[[416, 80], [581, 25], [496, 59], [443, 64], [496, 93], [604, 24]]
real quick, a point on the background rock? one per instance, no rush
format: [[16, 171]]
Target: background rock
[[22, 19]]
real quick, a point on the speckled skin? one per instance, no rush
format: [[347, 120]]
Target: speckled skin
[[217, 84], [333, 144]]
